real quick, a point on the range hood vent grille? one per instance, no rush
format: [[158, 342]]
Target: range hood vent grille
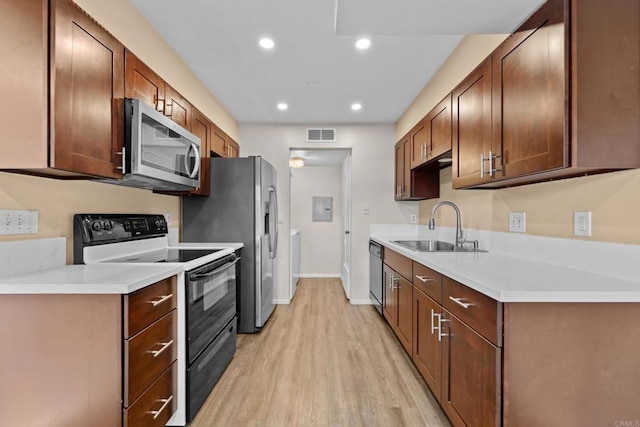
[[321, 135]]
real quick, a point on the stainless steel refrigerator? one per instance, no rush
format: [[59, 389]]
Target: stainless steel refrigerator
[[242, 207]]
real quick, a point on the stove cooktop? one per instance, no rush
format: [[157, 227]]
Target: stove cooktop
[[167, 255]]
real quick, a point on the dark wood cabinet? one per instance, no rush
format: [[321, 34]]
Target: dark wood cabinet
[[418, 136], [390, 299], [471, 108], [87, 74], [471, 379], [558, 98], [404, 326], [64, 75], [413, 184], [222, 144], [233, 149], [399, 156], [528, 96], [177, 108], [427, 354], [202, 127], [439, 126], [141, 82]]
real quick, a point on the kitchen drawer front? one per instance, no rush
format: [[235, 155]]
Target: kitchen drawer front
[[145, 306], [400, 263], [480, 312], [157, 404], [148, 354], [428, 281]]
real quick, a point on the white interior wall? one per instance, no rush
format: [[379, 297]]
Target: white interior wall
[[372, 181], [320, 242]]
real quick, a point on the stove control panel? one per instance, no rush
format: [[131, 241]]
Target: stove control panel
[[107, 228]]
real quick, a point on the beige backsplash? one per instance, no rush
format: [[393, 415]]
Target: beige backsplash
[[613, 199], [57, 200]]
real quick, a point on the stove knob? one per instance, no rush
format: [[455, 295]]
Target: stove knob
[[96, 226], [159, 223], [107, 225]]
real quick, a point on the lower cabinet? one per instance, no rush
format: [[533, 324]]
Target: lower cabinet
[[470, 375], [398, 296], [427, 340]]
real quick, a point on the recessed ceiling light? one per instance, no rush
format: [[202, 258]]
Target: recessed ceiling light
[[363, 43], [356, 106], [282, 106], [267, 43]]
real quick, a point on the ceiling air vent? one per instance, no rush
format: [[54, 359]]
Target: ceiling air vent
[[321, 135]]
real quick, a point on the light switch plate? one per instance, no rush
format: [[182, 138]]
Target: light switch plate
[[18, 222], [582, 223], [517, 222]]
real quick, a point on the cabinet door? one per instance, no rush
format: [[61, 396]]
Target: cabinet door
[[399, 167], [426, 345], [87, 113], [407, 190], [389, 306], [142, 82], [438, 124], [201, 127], [405, 313], [177, 108], [471, 108], [219, 142], [471, 369], [418, 144], [233, 149], [529, 95]]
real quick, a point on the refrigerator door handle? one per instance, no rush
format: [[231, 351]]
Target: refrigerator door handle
[[273, 232]]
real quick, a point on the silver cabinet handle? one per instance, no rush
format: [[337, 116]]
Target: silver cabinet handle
[[492, 157], [482, 165], [459, 302], [424, 279], [165, 403], [440, 334], [123, 168], [162, 299], [434, 314], [394, 280], [165, 345]]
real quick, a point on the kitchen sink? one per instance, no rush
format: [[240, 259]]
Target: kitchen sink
[[433, 246]]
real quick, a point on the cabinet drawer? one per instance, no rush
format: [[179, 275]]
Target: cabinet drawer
[[400, 263], [480, 312], [157, 404], [145, 306], [428, 281], [147, 354]]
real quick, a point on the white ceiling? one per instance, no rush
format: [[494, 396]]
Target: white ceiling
[[315, 67]]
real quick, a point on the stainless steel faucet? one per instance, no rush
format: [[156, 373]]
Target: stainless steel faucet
[[459, 234]]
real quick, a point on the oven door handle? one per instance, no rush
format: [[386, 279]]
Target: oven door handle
[[214, 272]]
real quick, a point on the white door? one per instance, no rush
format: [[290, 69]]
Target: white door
[[346, 203]]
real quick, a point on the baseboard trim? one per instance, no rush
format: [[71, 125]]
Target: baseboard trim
[[321, 276], [284, 301], [360, 302]]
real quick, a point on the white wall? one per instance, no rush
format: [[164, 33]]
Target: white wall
[[372, 176], [320, 242]]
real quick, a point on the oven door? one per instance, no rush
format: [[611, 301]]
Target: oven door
[[211, 302]]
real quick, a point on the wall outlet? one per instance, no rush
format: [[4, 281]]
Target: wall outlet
[[18, 222], [413, 219], [517, 222], [582, 223], [167, 218]]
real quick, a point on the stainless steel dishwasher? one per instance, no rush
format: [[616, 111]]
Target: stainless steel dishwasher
[[375, 275]]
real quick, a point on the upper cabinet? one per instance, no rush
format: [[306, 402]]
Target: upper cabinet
[[143, 83], [222, 145], [431, 137], [86, 81], [177, 108], [559, 98], [202, 127]]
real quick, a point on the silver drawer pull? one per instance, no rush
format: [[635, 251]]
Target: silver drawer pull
[[165, 403], [459, 302], [424, 279], [162, 299], [165, 345]]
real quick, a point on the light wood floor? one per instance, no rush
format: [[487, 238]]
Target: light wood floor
[[321, 361]]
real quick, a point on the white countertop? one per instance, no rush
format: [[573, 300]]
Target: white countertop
[[509, 278], [88, 279]]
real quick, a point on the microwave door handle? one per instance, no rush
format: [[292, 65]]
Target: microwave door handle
[[196, 166]]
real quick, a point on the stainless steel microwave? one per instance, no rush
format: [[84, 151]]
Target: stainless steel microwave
[[158, 153]]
